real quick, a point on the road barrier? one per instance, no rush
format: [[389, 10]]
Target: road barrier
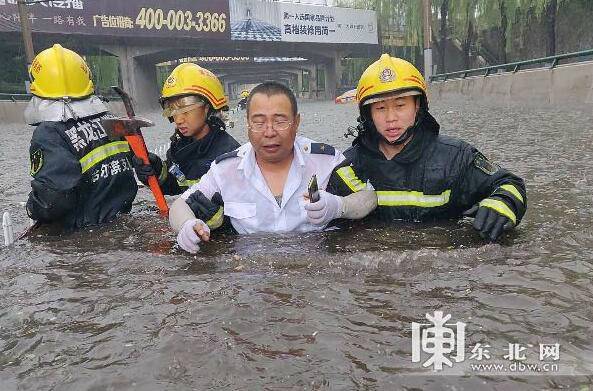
[[549, 62]]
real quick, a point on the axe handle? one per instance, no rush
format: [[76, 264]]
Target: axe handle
[[126, 100], [139, 148]]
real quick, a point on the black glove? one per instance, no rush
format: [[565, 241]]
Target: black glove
[[492, 216], [209, 211], [143, 171]]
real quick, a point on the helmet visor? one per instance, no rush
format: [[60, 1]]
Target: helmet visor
[[184, 104], [391, 95]]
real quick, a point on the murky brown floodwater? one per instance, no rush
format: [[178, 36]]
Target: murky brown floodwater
[[120, 307]]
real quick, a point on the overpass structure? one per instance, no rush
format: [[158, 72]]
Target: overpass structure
[[226, 36]]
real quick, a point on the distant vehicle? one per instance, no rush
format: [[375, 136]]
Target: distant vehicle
[[347, 97]]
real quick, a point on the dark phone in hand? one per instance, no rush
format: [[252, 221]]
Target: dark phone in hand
[[313, 189]]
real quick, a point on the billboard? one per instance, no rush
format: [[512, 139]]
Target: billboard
[[138, 18], [300, 23], [253, 20]]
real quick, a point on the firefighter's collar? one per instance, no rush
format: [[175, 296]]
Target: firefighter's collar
[[59, 110]]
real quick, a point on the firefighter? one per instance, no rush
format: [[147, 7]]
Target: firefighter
[[193, 99], [243, 101], [80, 177], [417, 173]]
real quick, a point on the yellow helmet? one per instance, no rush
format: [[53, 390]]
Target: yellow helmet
[[192, 79], [244, 94], [58, 72], [389, 75]]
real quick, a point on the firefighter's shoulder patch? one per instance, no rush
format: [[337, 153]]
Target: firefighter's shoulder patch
[[322, 149], [36, 161], [485, 165]]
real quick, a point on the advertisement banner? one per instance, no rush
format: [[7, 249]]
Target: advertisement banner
[[138, 18], [253, 20], [300, 23]]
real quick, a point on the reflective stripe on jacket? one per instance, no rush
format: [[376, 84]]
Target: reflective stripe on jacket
[[80, 177], [433, 177]]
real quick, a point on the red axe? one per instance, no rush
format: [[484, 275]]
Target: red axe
[[129, 128]]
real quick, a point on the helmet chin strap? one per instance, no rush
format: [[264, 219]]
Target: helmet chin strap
[[401, 139], [367, 123], [68, 106]]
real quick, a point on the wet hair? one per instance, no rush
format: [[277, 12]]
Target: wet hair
[[270, 88]]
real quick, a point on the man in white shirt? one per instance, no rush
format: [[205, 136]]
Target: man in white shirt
[[262, 183]]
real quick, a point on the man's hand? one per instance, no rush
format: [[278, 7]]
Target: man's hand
[[491, 217], [328, 208], [193, 232], [143, 171]]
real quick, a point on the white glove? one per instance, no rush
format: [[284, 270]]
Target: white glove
[[328, 208], [187, 238]]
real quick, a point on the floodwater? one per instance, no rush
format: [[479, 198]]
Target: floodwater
[[120, 307]]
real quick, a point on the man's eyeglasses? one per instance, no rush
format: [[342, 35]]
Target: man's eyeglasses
[[278, 125]]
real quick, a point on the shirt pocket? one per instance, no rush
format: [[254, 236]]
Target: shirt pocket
[[240, 210]]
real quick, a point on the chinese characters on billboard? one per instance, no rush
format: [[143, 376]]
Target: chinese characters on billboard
[[253, 20], [173, 18]]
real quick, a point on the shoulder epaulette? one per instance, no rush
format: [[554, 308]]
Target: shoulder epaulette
[[322, 149], [227, 155]]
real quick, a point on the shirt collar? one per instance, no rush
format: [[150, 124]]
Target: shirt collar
[[298, 153], [247, 155]]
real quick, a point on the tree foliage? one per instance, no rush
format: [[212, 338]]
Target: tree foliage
[[465, 21]]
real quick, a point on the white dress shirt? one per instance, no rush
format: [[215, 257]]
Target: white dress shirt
[[247, 198]]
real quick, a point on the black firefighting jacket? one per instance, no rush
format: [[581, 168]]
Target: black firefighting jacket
[[193, 157], [80, 177], [433, 177]]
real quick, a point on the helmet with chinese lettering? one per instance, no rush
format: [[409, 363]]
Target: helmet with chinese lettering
[[58, 72], [389, 77], [191, 79]]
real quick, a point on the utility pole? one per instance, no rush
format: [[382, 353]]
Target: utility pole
[[427, 23], [26, 32]]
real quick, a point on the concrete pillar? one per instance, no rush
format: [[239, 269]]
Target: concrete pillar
[[137, 78], [146, 90], [313, 93], [331, 80], [294, 81], [333, 75], [228, 89], [299, 86]]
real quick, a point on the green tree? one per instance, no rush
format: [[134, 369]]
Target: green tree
[[547, 10], [497, 14], [442, 7]]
